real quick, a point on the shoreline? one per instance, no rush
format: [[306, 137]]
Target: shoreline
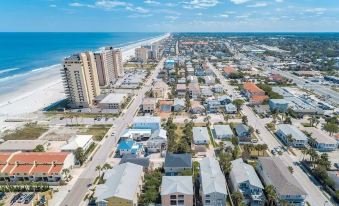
[[44, 87]]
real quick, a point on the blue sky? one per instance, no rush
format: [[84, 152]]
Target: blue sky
[[169, 15]]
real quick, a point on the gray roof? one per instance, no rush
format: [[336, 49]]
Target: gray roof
[[200, 134], [279, 101], [222, 130], [212, 178], [289, 129], [320, 136], [279, 176], [142, 161], [178, 160], [240, 128], [122, 181], [19, 145], [242, 172], [176, 184]]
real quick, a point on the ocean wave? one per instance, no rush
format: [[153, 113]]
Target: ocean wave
[[29, 72], [8, 70]]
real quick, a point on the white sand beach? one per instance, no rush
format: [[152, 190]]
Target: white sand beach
[[42, 89]]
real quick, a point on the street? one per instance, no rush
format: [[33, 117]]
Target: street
[[79, 189], [315, 196]]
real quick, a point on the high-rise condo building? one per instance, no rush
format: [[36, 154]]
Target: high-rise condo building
[[109, 65], [141, 54], [80, 79]]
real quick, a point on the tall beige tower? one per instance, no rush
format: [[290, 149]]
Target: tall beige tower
[[141, 54], [80, 79], [117, 62], [109, 65]]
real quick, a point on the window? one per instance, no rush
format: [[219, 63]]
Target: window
[[181, 202], [207, 201], [173, 197], [173, 202], [180, 196]]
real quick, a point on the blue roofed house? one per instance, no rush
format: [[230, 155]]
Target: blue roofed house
[[230, 108], [200, 135], [243, 132], [213, 183], [130, 147], [280, 105], [175, 163], [245, 180], [169, 64], [299, 139], [223, 132]]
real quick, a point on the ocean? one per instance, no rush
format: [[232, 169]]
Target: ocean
[[26, 56], [21, 53]]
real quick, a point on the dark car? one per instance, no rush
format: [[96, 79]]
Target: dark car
[[15, 198]]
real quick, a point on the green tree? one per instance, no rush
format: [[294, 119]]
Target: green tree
[[237, 197], [225, 162], [98, 169], [290, 169], [80, 155], [39, 148], [271, 194], [244, 119], [238, 103], [331, 128]]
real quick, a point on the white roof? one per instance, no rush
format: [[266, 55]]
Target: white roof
[[129, 132], [222, 130], [78, 141], [176, 184], [320, 136], [212, 178], [242, 172], [113, 98], [200, 134], [146, 119], [122, 181], [288, 129]]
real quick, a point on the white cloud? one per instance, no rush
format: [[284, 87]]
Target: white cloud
[[242, 17], [76, 4], [239, 1], [279, 1], [224, 15], [200, 4], [172, 18], [106, 4], [170, 4], [199, 14], [317, 11], [258, 4], [137, 9], [139, 15], [151, 2], [52, 5]]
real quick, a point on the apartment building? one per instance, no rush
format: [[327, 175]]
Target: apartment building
[[176, 191], [109, 65], [141, 54], [80, 79]]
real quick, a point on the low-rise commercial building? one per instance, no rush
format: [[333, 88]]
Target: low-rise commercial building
[[79, 141], [320, 140], [113, 101], [149, 105], [146, 122], [279, 105]]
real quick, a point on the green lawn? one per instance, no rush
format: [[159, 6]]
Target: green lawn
[[28, 132], [98, 131]]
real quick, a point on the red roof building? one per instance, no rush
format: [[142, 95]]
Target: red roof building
[[34, 166]]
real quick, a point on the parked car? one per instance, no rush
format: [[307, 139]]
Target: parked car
[[29, 198], [273, 151], [22, 198], [2, 195], [15, 198]]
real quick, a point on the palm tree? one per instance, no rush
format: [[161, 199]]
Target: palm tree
[[271, 194], [98, 168], [65, 173], [244, 119], [258, 147], [106, 166], [290, 140], [264, 147], [237, 197]]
